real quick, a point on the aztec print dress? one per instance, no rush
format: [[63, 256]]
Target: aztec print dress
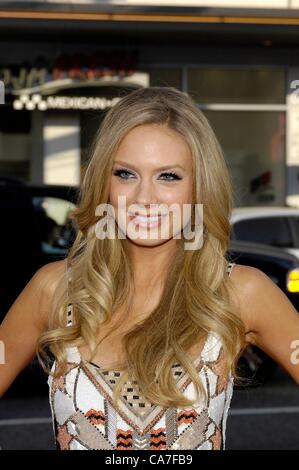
[[84, 417]]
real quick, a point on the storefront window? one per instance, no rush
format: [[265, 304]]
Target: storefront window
[[165, 77], [237, 86], [254, 147]]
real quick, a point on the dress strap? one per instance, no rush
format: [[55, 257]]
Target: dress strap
[[69, 305], [230, 267]]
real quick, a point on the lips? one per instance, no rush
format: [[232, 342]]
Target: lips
[[147, 220]]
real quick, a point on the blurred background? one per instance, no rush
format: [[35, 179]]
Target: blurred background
[[63, 64]]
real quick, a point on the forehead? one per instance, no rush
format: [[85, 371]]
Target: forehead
[[154, 143]]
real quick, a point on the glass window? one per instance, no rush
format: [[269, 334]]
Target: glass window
[[55, 225], [165, 77], [237, 86], [254, 147], [273, 231]]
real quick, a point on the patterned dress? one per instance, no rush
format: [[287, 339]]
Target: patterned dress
[[84, 416]]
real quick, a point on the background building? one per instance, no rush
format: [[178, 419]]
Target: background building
[[64, 64]]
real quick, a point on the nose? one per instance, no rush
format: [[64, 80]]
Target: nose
[[145, 193]]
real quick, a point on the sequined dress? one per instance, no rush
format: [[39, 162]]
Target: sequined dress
[[84, 417]]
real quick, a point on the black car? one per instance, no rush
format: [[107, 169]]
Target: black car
[[35, 230]]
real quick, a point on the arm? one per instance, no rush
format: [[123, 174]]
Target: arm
[[26, 320], [270, 317]]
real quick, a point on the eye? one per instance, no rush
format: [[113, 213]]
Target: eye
[[173, 176], [121, 172]]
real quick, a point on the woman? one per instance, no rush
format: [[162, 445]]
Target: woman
[[147, 340]]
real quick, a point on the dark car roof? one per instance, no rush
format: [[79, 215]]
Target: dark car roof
[[70, 192], [261, 249]]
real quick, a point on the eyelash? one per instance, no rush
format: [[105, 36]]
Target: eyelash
[[171, 173]]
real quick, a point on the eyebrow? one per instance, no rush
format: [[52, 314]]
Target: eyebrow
[[167, 167]]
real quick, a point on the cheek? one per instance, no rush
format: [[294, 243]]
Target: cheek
[[179, 195]]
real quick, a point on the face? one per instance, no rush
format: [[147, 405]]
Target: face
[[152, 169]]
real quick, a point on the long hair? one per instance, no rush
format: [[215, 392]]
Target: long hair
[[196, 294]]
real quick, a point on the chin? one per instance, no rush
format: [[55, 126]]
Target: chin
[[147, 242]]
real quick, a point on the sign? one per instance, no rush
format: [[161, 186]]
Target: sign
[[43, 103], [26, 99]]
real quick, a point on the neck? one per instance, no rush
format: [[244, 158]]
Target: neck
[[150, 263]]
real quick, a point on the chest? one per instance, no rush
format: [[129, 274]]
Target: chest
[[110, 350], [110, 353]]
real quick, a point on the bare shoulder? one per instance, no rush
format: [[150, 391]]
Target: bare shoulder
[[29, 313], [43, 284], [51, 274], [27, 319], [269, 316], [250, 286], [245, 277], [263, 306], [252, 283], [53, 268]]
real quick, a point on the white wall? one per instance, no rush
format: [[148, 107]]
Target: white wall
[[61, 133]]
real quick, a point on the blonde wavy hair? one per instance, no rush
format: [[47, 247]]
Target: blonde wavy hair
[[195, 298]]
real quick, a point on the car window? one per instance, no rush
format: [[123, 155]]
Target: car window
[[273, 231], [55, 224], [295, 225]]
